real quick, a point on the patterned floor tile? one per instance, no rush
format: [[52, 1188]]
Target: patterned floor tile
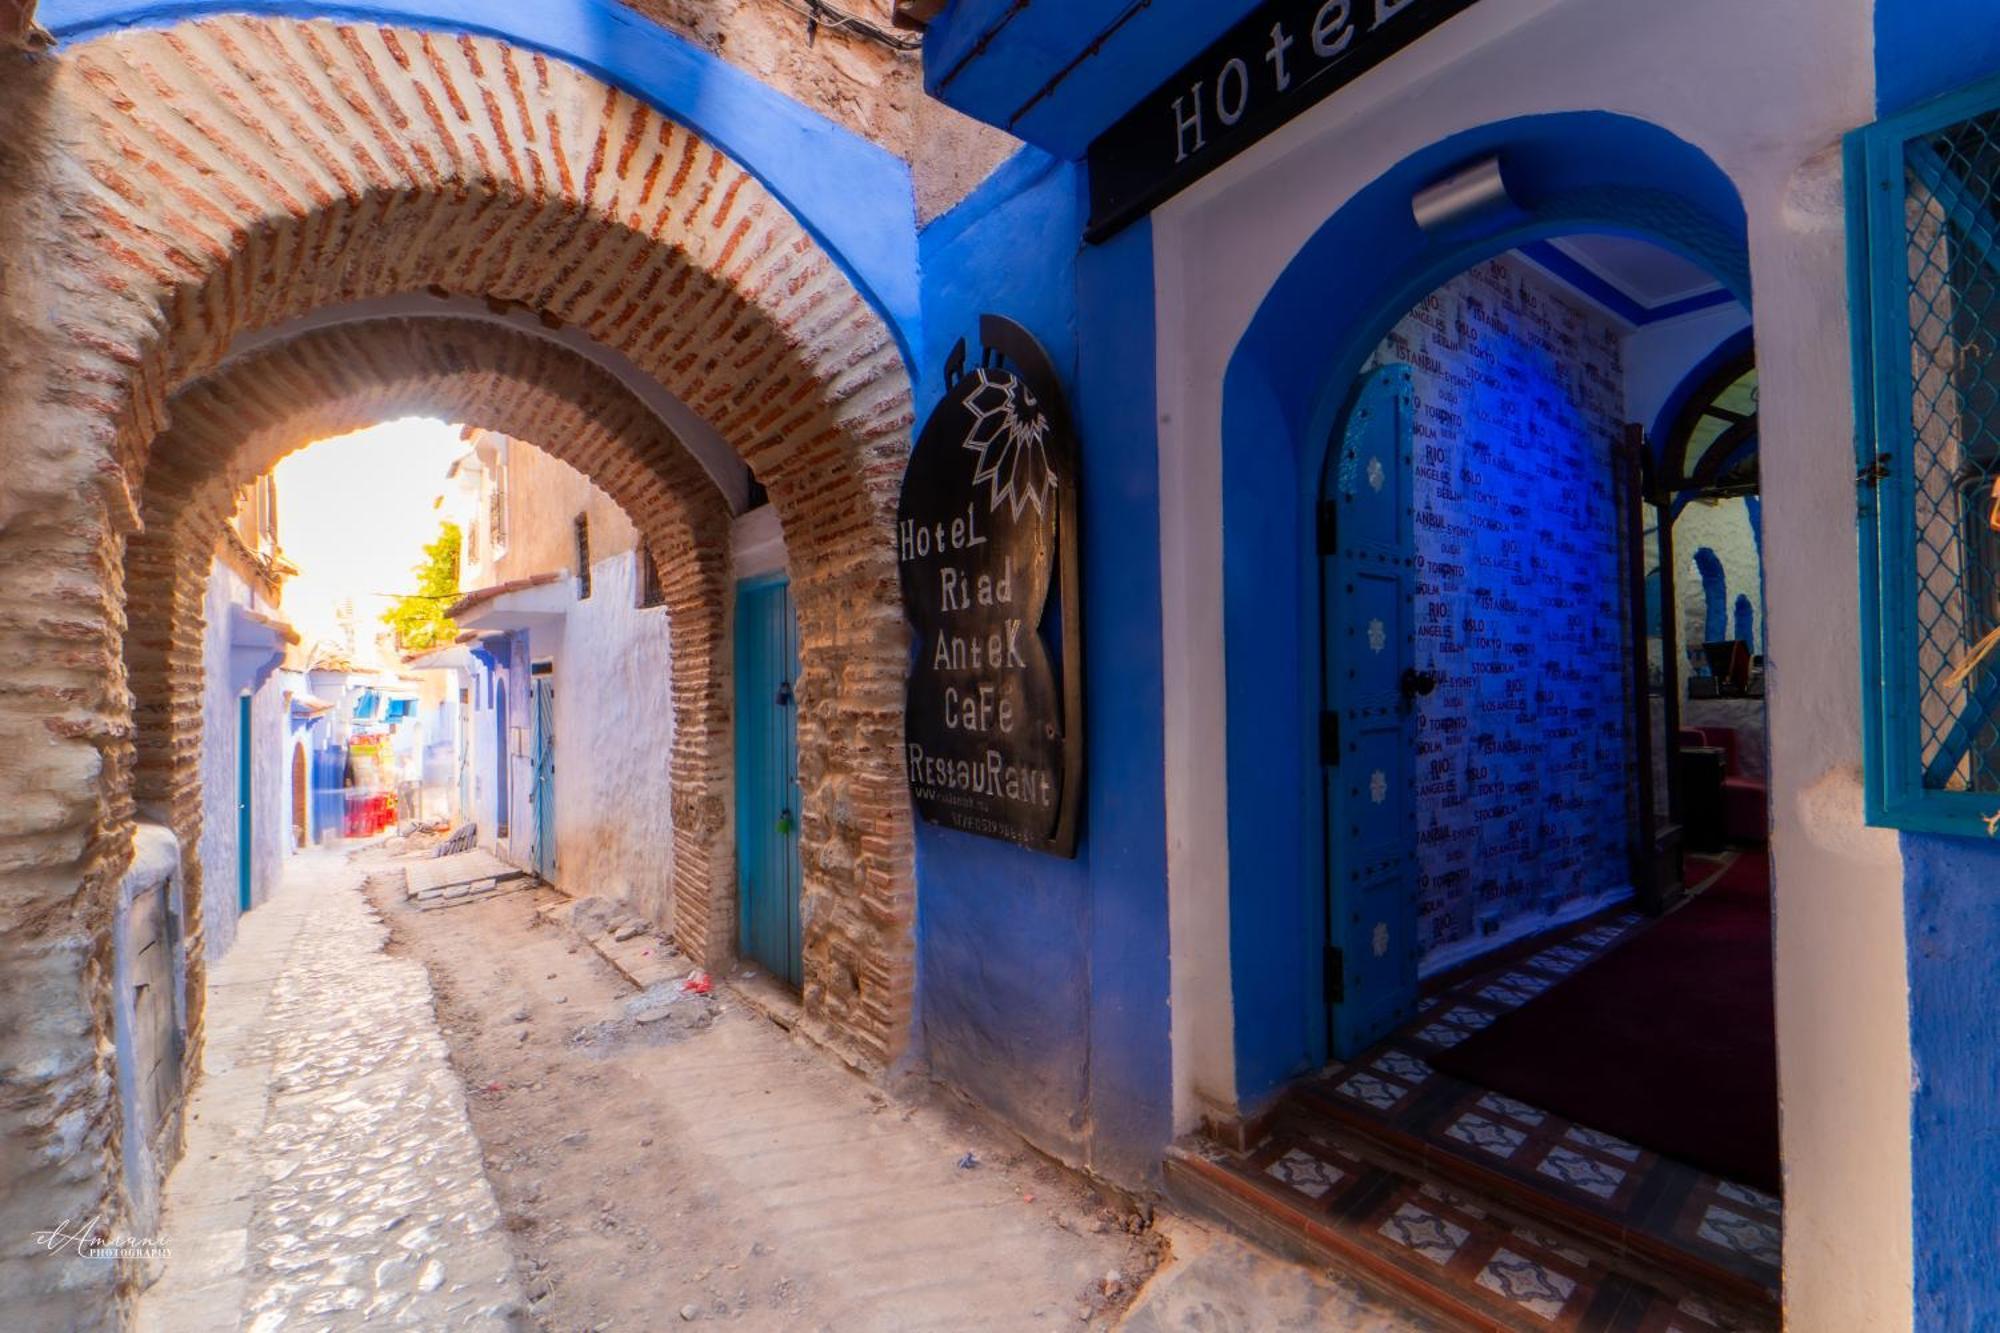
[[1402, 1065], [1609, 1144], [1305, 1173], [1487, 1135], [1584, 1173], [1746, 1235], [1533, 1286], [1425, 1232], [1464, 1016], [1507, 1106], [1366, 1088], [1744, 1194], [1716, 1223], [1507, 997]]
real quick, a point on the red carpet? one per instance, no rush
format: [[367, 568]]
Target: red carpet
[[1668, 1040]]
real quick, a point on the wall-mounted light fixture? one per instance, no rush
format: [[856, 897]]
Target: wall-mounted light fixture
[[1470, 192]]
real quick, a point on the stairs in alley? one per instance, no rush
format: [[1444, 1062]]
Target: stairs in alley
[[1474, 1247]]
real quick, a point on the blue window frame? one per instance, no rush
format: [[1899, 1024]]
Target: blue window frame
[[1924, 236]]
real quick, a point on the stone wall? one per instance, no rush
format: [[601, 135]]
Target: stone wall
[[1523, 751], [858, 83], [155, 205]]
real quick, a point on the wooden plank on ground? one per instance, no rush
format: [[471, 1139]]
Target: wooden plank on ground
[[434, 878]]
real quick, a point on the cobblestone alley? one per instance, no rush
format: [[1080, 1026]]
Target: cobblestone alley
[[645, 1174]]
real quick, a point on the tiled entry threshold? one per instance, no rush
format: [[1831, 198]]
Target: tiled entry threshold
[[1493, 1213]]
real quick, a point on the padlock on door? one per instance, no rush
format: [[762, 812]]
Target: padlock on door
[[785, 822]]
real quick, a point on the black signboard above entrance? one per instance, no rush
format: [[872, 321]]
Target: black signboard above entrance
[[1274, 64], [987, 550]]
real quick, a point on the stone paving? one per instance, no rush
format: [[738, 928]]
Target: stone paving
[[331, 1178]]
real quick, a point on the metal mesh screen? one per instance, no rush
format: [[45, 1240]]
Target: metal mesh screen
[[1952, 221]]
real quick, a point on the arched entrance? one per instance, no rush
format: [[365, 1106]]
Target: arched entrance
[[203, 205], [236, 423], [1289, 381], [1297, 411]]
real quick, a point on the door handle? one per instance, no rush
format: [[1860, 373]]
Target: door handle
[[1415, 683]]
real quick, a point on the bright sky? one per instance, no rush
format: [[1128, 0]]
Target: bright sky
[[354, 513]]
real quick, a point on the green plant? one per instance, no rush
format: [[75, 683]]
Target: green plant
[[418, 619]]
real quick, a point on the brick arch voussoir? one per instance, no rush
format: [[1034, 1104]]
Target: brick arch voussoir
[[385, 161], [234, 425]]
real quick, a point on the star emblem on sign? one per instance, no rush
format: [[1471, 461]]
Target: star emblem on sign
[[1010, 434]]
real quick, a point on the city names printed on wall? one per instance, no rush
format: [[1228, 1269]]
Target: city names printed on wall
[[1524, 752], [986, 550], [1272, 65]]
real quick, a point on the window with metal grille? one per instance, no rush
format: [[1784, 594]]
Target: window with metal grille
[[582, 556], [1925, 234], [650, 591]]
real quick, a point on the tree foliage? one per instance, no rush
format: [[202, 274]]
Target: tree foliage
[[417, 619]]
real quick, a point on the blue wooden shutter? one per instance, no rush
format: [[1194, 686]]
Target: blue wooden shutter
[[1924, 233]]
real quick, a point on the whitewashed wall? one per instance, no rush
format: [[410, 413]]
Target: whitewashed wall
[[1766, 91], [614, 734], [270, 818]]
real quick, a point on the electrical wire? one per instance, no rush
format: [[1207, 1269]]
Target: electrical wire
[[819, 14]]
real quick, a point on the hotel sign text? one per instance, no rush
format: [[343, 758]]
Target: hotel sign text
[[1268, 68]]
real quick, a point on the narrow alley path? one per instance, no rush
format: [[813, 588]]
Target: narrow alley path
[[331, 1178], [371, 1067], [669, 1158]]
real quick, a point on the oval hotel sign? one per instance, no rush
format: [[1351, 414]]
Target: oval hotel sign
[[986, 549]]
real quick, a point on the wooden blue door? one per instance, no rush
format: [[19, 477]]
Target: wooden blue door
[[1368, 740], [767, 777], [243, 803], [542, 792]]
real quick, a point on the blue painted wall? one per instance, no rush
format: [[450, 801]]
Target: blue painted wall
[[1953, 908], [1042, 983], [1058, 73], [1951, 886]]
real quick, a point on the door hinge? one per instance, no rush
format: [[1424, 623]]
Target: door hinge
[[1329, 737], [1336, 975], [1328, 517]]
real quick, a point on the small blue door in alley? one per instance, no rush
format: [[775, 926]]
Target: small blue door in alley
[[542, 791], [243, 803], [767, 777], [1368, 731]]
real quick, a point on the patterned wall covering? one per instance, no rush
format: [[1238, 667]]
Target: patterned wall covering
[[1523, 749]]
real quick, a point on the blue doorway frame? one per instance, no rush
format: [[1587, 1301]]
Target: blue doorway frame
[[1288, 381], [542, 783], [243, 803], [767, 778]]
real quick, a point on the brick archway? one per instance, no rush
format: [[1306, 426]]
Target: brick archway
[[236, 423], [191, 184]]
